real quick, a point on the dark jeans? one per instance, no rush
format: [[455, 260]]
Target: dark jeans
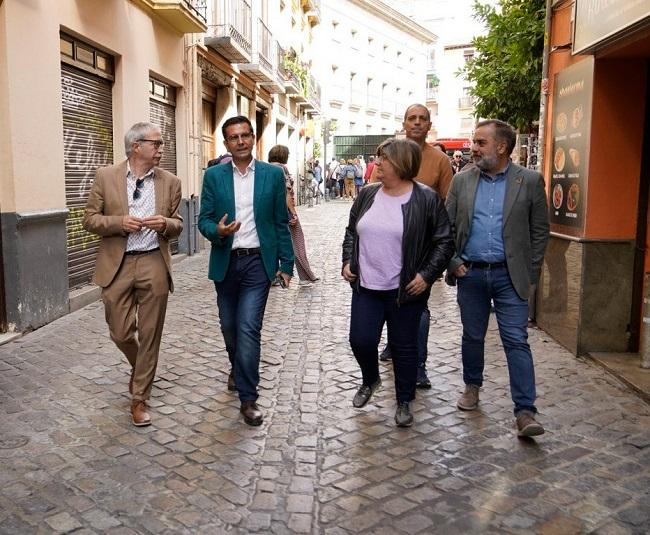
[[370, 309], [241, 298], [475, 292], [423, 337]]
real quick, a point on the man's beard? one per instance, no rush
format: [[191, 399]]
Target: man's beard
[[486, 162]]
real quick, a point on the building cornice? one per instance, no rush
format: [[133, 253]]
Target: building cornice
[[384, 11]]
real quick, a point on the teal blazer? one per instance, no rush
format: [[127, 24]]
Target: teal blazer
[[271, 219]]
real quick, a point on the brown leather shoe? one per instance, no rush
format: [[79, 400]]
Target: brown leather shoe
[[252, 414], [231, 381], [139, 414]]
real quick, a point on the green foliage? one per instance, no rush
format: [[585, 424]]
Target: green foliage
[[507, 68], [316, 150], [292, 63], [433, 80]]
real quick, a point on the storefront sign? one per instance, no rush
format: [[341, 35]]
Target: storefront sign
[[602, 20], [571, 129]]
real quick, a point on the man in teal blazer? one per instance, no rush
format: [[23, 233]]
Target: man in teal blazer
[[244, 215]]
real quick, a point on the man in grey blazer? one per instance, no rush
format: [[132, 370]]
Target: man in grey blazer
[[500, 218]]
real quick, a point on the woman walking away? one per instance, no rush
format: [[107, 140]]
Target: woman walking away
[[279, 155], [397, 243]]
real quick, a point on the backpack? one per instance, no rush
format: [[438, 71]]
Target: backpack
[[350, 173]]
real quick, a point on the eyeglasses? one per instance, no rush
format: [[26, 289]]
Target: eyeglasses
[[155, 142], [139, 183], [235, 138]]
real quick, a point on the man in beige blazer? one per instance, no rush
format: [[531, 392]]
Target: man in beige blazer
[[133, 206]]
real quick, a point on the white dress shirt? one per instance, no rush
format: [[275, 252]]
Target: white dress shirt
[[246, 237], [143, 206]]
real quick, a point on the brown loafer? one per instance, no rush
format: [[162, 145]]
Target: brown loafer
[[139, 414], [252, 415], [231, 381]]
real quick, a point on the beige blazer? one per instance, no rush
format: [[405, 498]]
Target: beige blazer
[[108, 204]]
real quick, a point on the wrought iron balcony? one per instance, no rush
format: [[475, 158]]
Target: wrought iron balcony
[[231, 36], [313, 94], [260, 67], [466, 102], [277, 84], [186, 16]]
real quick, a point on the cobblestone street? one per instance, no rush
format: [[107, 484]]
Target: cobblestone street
[[70, 460]]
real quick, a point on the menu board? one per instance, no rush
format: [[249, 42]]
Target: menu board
[[571, 127]]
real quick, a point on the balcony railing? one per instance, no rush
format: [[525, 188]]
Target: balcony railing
[[432, 93], [264, 45], [314, 94], [276, 85], [466, 102], [231, 36]]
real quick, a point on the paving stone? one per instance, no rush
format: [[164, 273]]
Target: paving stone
[[199, 469]]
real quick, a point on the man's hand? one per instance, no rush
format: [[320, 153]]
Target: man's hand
[[285, 278], [227, 230], [347, 273], [155, 222], [131, 224], [460, 271], [417, 285], [293, 221]]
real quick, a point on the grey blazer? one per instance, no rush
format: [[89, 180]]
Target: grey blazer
[[525, 222]]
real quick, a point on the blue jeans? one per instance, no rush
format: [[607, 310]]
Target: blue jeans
[[241, 298], [423, 337], [475, 291], [370, 309]]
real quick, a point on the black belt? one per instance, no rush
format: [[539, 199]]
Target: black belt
[[485, 265], [131, 253], [245, 252]]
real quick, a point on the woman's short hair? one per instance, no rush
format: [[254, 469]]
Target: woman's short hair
[[404, 155], [279, 154]]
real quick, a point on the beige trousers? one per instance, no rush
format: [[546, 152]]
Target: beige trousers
[[135, 304]]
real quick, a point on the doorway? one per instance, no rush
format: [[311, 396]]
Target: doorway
[[641, 262]]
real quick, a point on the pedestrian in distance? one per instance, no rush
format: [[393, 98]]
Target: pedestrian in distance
[[279, 156], [224, 158], [435, 172], [397, 243], [341, 177], [458, 162], [133, 206], [358, 177], [369, 168], [500, 217], [244, 216], [349, 172], [318, 178]]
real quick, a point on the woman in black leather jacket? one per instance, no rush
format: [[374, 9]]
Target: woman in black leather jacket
[[397, 243]]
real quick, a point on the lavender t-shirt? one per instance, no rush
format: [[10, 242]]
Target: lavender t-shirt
[[380, 232]]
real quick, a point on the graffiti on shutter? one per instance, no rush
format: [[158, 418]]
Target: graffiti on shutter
[[87, 145]]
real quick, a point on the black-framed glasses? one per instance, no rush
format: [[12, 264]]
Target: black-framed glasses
[[155, 142], [234, 138], [137, 192]]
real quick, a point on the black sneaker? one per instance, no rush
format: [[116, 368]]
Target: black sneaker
[[364, 393], [385, 355], [403, 416], [422, 380]]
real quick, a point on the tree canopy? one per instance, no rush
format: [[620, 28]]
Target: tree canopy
[[507, 67]]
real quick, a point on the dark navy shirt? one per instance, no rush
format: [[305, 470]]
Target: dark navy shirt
[[485, 243]]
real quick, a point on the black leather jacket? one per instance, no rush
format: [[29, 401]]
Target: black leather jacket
[[427, 241]]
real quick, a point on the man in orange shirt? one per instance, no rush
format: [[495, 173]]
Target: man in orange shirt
[[435, 172]]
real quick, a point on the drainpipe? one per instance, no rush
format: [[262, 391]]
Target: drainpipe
[[543, 101]]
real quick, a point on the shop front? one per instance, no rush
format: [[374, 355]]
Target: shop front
[[596, 170]]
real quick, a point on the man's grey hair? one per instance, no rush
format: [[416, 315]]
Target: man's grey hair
[[136, 132]]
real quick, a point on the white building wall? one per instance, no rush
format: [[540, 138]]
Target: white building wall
[[370, 69]]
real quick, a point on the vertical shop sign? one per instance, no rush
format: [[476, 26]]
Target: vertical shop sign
[[571, 127]]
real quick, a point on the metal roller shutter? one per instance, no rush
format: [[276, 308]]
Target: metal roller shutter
[[87, 145], [163, 114]]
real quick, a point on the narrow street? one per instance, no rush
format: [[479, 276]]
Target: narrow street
[[70, 460]]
